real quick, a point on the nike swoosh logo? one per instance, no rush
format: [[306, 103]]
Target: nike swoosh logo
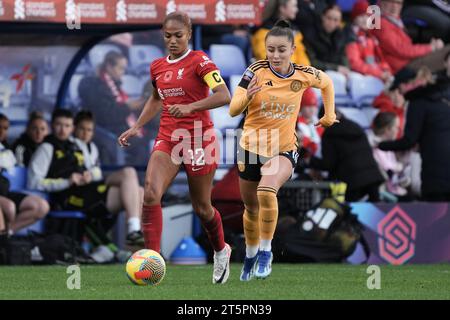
[[196, 169], [223, 275]]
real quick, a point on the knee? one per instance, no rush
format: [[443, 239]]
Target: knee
[[267, 196], [44, 208], [9, 209], [203, 210], [130, 173], [152, 194], [252, 209]]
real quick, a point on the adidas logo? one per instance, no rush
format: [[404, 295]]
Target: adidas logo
[[269, 83]]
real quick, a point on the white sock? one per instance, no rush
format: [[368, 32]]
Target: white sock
[[265, 245], [134, 224], [251, 251]]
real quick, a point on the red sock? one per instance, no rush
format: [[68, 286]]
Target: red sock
[[214, 230], [152, 226]]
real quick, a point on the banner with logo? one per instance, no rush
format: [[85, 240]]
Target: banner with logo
[[417, 232], [130, 11]]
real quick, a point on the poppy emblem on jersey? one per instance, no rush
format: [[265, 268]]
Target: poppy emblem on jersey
[[180, 74], [296, 85], [168, 76]]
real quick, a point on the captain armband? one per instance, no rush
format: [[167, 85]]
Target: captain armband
[[213, 79]]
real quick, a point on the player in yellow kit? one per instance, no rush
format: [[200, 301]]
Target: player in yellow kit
[[269, 94]]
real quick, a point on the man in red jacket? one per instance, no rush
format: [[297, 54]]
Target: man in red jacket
[[395, 43]]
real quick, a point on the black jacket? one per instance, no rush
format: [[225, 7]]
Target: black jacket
[[326, 51], [97, 97], [347, 156], [428, 124]]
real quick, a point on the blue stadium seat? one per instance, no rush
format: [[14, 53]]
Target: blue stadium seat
[[356, 115], [17, 177], [364, 89], [370, 113], [222, 118], [141, 56], [98, 53], [132, 86], [234, 82], [84, 67], [228, 58], [342, 98], [345, 5], [73, 88]]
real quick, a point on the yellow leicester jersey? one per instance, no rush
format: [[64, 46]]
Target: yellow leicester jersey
[[271, 115]]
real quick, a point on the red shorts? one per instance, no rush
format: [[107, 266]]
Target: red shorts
[[199, 155]]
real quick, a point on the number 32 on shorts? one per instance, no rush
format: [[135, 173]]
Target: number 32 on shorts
[[197, 156]]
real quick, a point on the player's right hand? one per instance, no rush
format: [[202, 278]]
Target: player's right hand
[[327, 121], [252, 88], [123, 138]]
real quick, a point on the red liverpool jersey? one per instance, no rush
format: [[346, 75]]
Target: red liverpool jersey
[[181, 81]]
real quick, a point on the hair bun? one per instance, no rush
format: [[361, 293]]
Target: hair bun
[[283, 24]]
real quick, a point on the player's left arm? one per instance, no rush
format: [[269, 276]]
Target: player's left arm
[[321, 80], [221, 94]]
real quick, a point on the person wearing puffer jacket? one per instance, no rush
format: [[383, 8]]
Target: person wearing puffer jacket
[[363, 52]]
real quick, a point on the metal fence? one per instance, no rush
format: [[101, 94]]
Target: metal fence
[[296, 197]]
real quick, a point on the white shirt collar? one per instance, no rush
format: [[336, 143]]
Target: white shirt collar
[[180, 58]]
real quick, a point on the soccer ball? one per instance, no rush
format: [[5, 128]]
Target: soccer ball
[[146, 267]]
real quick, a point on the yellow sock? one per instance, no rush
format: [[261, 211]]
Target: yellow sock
[[268, 211], [251, 228]]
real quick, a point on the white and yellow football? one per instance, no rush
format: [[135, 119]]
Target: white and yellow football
[[146, 267]]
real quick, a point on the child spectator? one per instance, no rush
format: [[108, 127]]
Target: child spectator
[[385, 128], [308, 132]]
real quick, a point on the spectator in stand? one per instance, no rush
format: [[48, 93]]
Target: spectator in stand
[[282, 9], [395, 43], [427, 124], [363, 51], [58, 167], [114, 110], [307, 131], [105, 98], [325, 44], [124, 184], [30, 140], [309, 13], [384, 128], [393, 99], [347, 156], [4, 127], [20, 209]]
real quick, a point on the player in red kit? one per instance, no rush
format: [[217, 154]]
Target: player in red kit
[[182, 82]]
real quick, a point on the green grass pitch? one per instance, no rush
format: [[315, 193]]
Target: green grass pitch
[[287, 282]]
